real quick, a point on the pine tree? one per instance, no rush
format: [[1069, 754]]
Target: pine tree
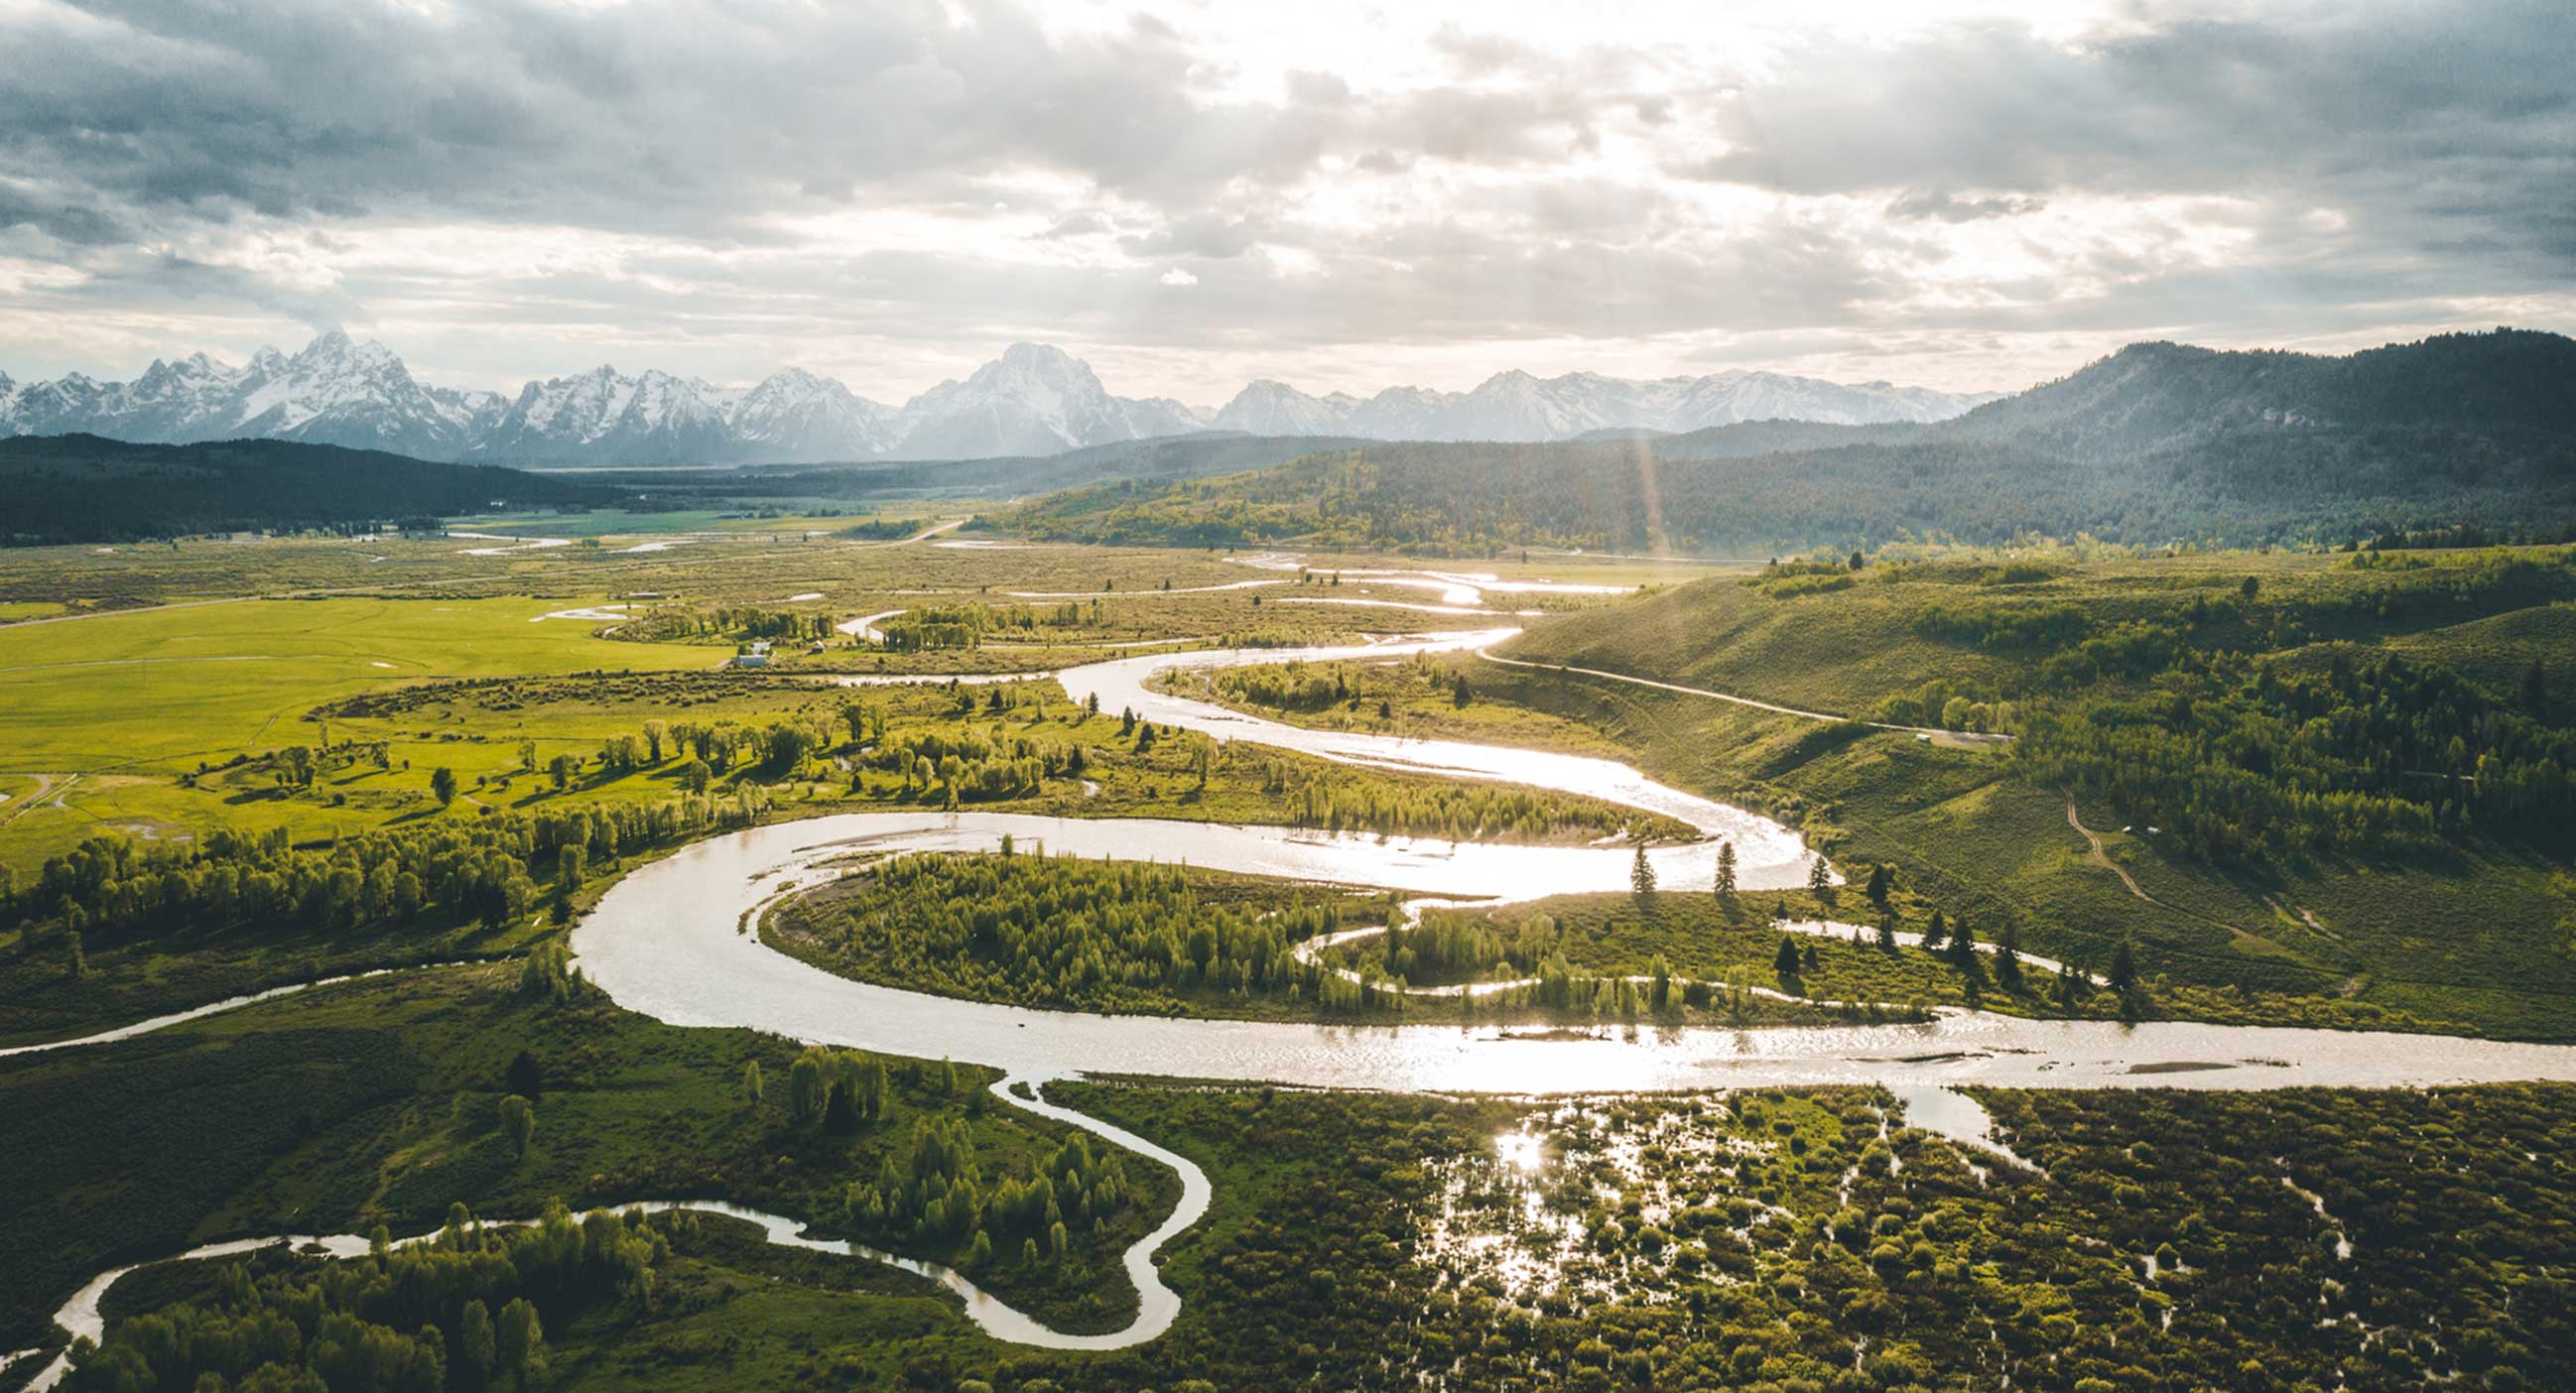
[[1785, 962], [2008, 957], [1820, 878], [1963, 948], [1641, 876], [1725, 870], [1934, 931]]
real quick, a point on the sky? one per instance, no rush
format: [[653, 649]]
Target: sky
[[1342, 196]]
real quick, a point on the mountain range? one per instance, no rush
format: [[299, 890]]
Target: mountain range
[[1033, 400], [2160, 444]]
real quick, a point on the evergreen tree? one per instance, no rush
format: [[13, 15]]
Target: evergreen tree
[[1725, 870], [1963, 948], [2124, 967], [1641, 876], [1785, 962]]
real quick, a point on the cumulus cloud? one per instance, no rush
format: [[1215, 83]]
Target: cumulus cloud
[[499, 187]]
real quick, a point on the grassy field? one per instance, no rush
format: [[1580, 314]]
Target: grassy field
[[2477, 936]]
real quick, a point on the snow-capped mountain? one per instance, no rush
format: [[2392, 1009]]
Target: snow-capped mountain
[[1275, 408], [1033, 400], [335, 392], [1517, 406], [795, 416], [605, 417]]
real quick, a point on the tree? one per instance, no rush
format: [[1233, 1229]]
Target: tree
[[1641, 876], [805, 1088], [1726, 870], [694, 776], [524, 1077], [1785, 962], [1459, 693], [1820, 878], [1882, 882], [1934, 931], [655, 732], [1887, 930], [2124, 967], [521, 1341], [2251, 588], [442, 782], [2008, 957], [559, 769], [2535, 687], [519, 1119], [1963, 948], [475, 1342], [751, 1087]]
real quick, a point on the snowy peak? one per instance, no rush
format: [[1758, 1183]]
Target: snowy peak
[[606, 417], [1267, 407], [1033, 400], [795, 415]]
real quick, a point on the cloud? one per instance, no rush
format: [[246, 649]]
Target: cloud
[[722, 185], [1916, 204]]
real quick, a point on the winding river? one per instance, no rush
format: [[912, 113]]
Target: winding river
[[670, 941]]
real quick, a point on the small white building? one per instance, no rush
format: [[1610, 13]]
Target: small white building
[[757, 657]]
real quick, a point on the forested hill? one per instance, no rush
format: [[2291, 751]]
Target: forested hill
[[2159, 443], [81, 488]]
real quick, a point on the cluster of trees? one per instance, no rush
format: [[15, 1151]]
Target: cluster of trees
[[967, 626], [489, 869], [1063, 932], [740, 623], [1293, 686], [937, 1192], [970, 766], [461, 1311], [1452, 811], [2235, 760]]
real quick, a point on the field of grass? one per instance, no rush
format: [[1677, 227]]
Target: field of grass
[[377, 1101], [2478, 937]]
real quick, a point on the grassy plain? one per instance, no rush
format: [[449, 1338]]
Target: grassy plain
[[2478, 936]]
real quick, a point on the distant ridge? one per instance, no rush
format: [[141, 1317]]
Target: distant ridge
[[1032, 401], [81, 488], [2158, 444]]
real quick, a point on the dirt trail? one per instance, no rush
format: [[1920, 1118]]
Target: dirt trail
[[45, 792], [1960, 737], [2098, 857]]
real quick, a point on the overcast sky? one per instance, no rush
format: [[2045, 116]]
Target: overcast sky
[[1342, 196]]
